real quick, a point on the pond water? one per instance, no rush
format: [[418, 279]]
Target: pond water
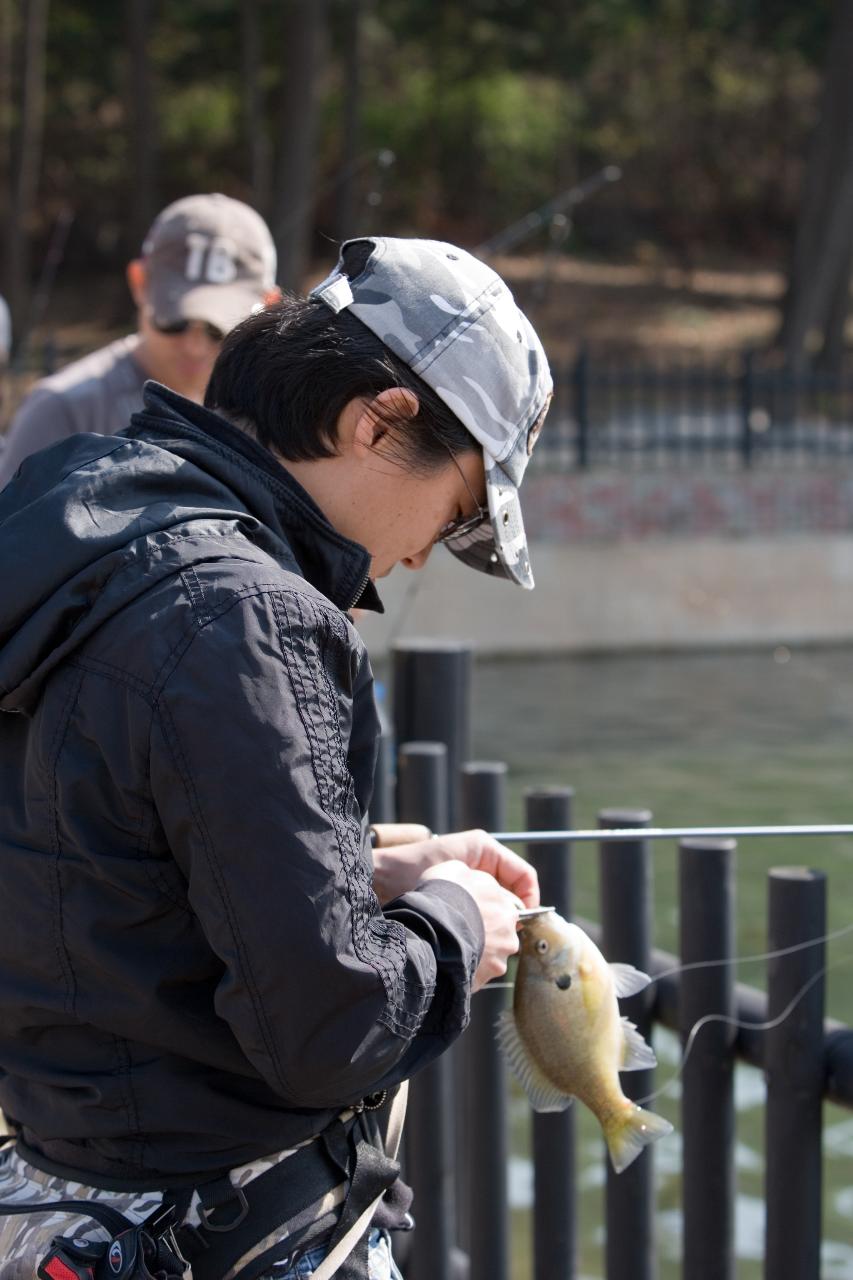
[[757, 737]]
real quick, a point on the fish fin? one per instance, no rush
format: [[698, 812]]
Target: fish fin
[[627, 1135], [638, 1054], [543, 1095], [627, 980]]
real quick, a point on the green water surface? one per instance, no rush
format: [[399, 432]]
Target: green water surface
[[737, 738]]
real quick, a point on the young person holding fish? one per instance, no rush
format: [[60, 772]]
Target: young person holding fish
[[212, 986]]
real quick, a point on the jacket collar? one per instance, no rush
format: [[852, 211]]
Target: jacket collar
[[336, 565]]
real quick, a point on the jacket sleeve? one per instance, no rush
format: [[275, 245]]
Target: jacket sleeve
[[328, 998]]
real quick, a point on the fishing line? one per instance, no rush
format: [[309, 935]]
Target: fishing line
[[763, 955], [739, 1023], [410, 595], [729, 960]]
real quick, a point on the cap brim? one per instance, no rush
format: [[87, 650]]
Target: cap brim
[[223, 305], [499, 545]]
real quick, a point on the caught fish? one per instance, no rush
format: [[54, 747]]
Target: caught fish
[[564, 1037]]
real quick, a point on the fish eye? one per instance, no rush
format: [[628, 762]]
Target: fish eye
[[542, 946]]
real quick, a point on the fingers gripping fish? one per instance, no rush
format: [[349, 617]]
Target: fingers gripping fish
[[565, 1039]]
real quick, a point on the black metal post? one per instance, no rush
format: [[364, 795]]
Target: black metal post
[[747, 404], [554, 1209], [706, 877], [432, 703], [581, 384], [625, 889], [422, 797], [794, 1066], [484, 1127]]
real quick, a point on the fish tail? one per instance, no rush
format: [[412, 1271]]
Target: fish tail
[[628, 1131]]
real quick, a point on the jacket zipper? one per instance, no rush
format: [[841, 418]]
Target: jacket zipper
[[360, 591]]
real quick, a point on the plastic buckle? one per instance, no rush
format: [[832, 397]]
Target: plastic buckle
[[243, 1209], [61, 1265]]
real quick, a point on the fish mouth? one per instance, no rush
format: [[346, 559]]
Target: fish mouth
[[531, 913]]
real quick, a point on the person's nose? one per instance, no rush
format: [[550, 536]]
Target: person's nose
[[419, 559]]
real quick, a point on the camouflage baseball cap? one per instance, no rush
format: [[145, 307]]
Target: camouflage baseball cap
[[455, 323], [208, 258]]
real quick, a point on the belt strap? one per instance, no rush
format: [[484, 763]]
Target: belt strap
[[292, 1186], [297, 1182], [234, 1220], [340, 1248], [114, 1221]]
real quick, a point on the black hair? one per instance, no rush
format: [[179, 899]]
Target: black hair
[[286, 373]]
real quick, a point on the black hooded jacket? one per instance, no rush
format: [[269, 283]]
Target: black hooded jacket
[[194, 968]]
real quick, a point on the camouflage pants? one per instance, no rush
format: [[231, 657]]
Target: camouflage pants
[[25, 1240]]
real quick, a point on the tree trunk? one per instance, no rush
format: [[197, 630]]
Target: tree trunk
[[27, 162], [254, 117], [822, 245], [6, 41], [142, 126], [349, 202], [303, 29]]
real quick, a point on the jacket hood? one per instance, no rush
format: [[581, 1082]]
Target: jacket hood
[[78, 514]]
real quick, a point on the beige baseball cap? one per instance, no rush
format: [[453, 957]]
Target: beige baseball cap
[[208, 258]]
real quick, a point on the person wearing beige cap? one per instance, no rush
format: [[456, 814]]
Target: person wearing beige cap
[[207, 262]]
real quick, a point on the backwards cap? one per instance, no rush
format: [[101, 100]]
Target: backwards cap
[[455, 323]]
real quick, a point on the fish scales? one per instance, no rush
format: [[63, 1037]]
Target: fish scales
[[565, 1038]]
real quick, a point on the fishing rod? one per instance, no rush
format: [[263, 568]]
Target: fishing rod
[[541, 217], [668, 833]]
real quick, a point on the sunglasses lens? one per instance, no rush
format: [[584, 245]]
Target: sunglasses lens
[[457, 528], [177, 327]]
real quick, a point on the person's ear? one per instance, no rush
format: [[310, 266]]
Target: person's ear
[[396, 404], [272, 296], [137, 281]]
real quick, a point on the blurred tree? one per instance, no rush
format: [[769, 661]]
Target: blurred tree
[[818, 296], [489, 107], [6, 41], [142, 124], [302, 46], [254, 115], [27, 159], [350, 160]]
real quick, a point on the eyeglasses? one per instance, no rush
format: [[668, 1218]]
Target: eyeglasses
[[463, 524], [177, 327]]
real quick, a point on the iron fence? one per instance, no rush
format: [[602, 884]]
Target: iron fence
[[456, 1148], [741, 412], [631, 414]]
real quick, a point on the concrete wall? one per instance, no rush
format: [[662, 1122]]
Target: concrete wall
[[647, 590]]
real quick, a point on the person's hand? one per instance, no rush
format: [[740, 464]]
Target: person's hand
[[498, 910], [399, 867]]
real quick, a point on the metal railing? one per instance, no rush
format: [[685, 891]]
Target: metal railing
[[741, 412], [458, 1134], [632, 414]]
